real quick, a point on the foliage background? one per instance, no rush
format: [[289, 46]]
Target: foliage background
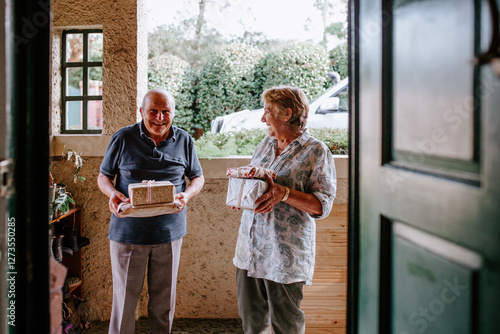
[[297, 64], [212, 73], [339, 59], [226, 83], [244, 142], [171, 73]]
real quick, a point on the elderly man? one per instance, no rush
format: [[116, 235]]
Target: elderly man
[[152, 149]]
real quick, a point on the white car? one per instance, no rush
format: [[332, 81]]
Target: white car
[[330, 110]]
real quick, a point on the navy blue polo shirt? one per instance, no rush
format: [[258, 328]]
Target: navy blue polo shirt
[[133, 157]]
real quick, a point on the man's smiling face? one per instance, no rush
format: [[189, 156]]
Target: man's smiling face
[[157, 114]]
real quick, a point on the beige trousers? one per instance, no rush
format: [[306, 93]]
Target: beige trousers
[[128, 265]]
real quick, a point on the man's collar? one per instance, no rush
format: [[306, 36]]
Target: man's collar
[[171, 132]]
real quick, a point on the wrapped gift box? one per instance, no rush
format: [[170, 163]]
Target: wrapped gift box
[[242, 193], [250, 172], [127, 210], [151, 192], [246, 185]]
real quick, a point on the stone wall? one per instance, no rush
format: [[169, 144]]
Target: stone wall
[[124, 55]]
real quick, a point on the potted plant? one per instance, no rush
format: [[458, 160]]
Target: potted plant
[[62, 200], [61, 204], [69, 154]]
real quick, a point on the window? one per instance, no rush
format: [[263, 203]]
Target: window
[[343, 100], [82, 81]]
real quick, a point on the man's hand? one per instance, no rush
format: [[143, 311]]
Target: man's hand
[[115, 197], [192, 190], [115, 200], [183, 199]]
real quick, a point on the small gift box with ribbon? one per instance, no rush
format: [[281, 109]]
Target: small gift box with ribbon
[[246, 185], [151, 192]]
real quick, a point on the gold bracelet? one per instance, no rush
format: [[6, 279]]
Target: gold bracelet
[[287, 193]]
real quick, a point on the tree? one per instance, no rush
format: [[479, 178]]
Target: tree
[[199, 24], [175, 40], [296, 64], [226, 83], [328, 10]]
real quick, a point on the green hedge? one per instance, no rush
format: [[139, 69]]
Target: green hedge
[[226, 83], [234, 77], [339, 59], [244, 142], [299, 64], [337, 140], [176, 76]]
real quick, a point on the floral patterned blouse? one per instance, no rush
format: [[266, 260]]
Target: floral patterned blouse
[[280, 245]]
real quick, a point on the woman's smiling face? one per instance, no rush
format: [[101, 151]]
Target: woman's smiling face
[[275, 125]]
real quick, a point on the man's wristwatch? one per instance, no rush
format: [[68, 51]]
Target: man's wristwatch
[[287, 193]]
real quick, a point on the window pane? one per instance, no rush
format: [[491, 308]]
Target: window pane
[[95, 47], [94, 113], [74, 81], [344, 100], [74, 114], [95, 81], [74, 48]]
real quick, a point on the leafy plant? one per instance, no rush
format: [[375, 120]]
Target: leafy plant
[[337, 140], [78, 161], [244, 142], [61, 203], [298, 64], [226, 83], [339, 59]]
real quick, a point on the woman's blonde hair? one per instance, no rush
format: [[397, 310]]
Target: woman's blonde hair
[[283, 97]]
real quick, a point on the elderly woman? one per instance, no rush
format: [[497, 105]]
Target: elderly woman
[[276, 242]]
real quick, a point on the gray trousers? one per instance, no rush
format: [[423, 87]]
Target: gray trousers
[[128, 265], [263, 304]]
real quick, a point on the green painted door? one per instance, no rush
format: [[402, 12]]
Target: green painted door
[[24, 114], [427, 190], [3, 168]]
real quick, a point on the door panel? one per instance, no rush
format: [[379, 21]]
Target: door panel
[[428, 169], [433, 79], [445, 276]]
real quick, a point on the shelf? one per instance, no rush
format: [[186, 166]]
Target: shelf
[[67, 214], [75, 287], [72, 219]]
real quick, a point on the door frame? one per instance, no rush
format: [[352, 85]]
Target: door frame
[[353, 222], [3, 158], [27, 49]]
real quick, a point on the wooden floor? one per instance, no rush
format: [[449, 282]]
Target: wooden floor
[[325, 302]]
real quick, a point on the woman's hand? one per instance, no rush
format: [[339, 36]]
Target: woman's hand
[[273, 196]]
